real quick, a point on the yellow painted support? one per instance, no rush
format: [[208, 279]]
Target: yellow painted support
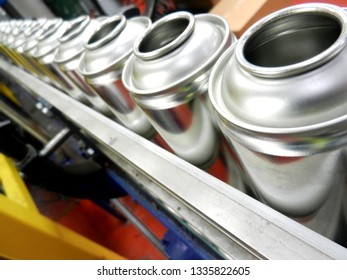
[[13, 185], [8, 93], [26, 234]]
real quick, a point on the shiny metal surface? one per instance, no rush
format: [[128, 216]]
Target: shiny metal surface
[[167, 76], [7, 38], [102, 63], [45, 72], [48, 41], [5, 51], [55, 142], [280, 95], [20, 40], [228, 221], [33, 35], [174, 39], [69, 53], [14, 31], [118, 205], [27, 62], [44, 53]]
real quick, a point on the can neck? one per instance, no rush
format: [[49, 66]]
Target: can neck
[[165, 36], [293, 41], [51, 30], [76, 28], [108, 31], [33, 29]]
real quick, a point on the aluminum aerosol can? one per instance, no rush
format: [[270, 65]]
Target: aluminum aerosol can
[[102, 63], [69, 53], [168, 75], [18, 36], [20, 39], [10, 32], [6, 53], [34, 34], [280, 95], [44, 52], [47, 73], [28, 63]]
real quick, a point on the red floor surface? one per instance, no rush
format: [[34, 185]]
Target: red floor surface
[[93, 222]]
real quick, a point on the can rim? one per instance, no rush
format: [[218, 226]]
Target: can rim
[[305, 65], [76, 27], [228, 36], [272, 140], [113, 64], [214, 89], [171, 45], [32, 39], [49, 31], [122, 22]]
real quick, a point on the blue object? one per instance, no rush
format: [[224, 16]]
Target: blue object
[[178, 249], [177, 242]]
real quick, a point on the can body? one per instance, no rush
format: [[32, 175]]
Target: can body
[[28, 46], [281, 100], [168, 77], [89, 93], [69, 53], [11, 32], [44, 52], [57, 76], [308, 189], [123, 107], [102, 63]]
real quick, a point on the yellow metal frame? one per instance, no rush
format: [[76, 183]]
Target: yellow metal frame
[[8, 93], [26, 234], [13, 184]]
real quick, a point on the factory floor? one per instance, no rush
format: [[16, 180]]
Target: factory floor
[[93, 222]]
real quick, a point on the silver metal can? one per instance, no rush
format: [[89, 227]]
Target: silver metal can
[[102, 63], [280, 94], [10, 32], [44, 53], [46, 72], [6, 52], [167, 76], [28, 63], [21, 38], [33, 34], [69, 53]]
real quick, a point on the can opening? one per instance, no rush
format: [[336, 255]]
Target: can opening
[[163, 34], [75, 28], [51, 29], [103, 31], [291, 39], [33, 29]]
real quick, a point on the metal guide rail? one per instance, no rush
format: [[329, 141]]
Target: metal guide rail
[[234, 224]]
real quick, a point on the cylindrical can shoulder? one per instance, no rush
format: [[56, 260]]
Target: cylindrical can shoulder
[[110, 46], [175, 50], [284, 80]]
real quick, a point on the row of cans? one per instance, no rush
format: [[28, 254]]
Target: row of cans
[[86, 58], [265, 113]]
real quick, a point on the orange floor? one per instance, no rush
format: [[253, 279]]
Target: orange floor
[[93, 222]]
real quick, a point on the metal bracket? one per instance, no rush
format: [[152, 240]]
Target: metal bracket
[[55, 142]]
